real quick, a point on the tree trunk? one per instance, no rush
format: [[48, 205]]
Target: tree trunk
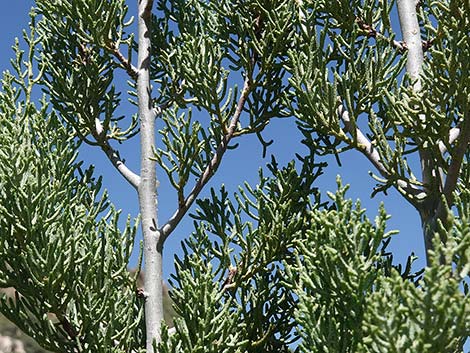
[[428, 224], [148, 185], [411, 33]]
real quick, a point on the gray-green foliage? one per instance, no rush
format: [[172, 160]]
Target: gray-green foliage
[[234, 265], [352, 300], [338, 264], [323, 281], [60, 245], [78, 54], [430, 314], [272, 268], [338, 57], [348, 92], [344, 57], [209, 58]]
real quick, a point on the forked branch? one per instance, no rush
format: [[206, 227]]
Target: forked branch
[[127, 65], [211, 167]]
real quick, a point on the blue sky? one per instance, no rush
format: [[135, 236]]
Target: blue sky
[[238, 166]]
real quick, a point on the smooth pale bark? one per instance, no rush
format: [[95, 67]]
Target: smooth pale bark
[[408, 190], [412, 37], [439, 191], [148, 184]]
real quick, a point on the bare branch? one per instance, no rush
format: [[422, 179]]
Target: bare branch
[[412, 36], [407, 189], [153, 244], [211, 167], [130, 69], [454, 168], [363, 143], [113, 155], [119, 164]]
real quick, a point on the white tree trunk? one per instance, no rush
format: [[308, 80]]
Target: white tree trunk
[[148, 184], [412, 37]]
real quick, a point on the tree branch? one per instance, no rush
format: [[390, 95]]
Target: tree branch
[[113, 155], [363, 143], [130, 69], [412, 36], [454, 169], [153, 244], [367, 149], [211, 167], [119, 164]]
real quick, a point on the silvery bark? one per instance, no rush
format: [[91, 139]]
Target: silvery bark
[[148, 184], [411, 33]]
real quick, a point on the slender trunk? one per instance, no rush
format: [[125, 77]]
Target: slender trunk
[[428, 224], [148, 185], [411, 33]]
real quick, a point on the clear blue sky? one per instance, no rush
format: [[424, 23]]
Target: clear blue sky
[[237, 166]]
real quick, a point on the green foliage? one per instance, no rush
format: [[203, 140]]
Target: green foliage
[[229, 288], [429, 315], [444, 100], [60, 246], [402, 317], [345, 54], [203, 51], [262, 275], [199, 44], [272, 268], [446, 96], [78, 53], [337, 264], [351, 300]]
